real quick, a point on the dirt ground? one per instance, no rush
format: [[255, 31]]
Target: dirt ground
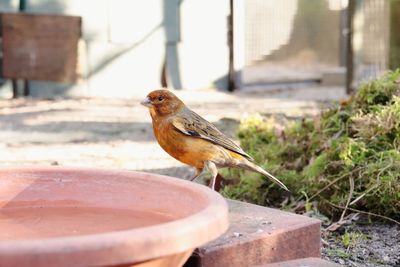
[[117, 133], [373, 245]]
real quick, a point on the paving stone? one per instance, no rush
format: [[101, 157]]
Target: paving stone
[[260, 235], [307, 262]]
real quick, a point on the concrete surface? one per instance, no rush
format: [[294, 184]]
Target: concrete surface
[[259, 235], [117, 133], [307, 262]]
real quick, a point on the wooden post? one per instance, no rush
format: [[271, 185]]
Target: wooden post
[[14, 88], [22, 8], [22, 5]]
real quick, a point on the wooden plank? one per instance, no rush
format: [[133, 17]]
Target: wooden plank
[[40, 47]]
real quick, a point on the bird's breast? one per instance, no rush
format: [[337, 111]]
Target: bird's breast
[[187, 149], [170, 140]]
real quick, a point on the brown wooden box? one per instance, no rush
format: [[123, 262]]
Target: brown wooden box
[[40, 47]]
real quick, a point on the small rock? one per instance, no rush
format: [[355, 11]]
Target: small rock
[[237, 234], [266, 222], [260, 230]]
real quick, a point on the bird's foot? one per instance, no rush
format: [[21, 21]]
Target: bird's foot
[[209, 171]]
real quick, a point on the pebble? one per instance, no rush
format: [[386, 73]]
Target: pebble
[[237, 234]]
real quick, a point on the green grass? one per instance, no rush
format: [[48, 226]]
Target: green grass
[[319, 158], [339, 253], [352, 239]]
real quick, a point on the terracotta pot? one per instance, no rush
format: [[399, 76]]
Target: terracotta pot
[[53, 216]]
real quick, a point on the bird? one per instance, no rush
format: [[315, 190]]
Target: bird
[[192, 140]]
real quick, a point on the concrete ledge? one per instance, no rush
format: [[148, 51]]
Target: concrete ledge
[[334, 77], [260, 235], [308, 262]]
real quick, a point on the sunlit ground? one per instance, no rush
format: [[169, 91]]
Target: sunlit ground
[[117, 133]]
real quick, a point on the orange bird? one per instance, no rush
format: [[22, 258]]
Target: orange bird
[[189, 138]]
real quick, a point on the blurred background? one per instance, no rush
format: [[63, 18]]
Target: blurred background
[[73, 72], [121, 47]]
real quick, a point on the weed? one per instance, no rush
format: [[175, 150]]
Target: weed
[[339, 253], [352, 239], [320, 158]]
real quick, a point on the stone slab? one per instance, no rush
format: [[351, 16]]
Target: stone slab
[[334, 77], [260, 235], [307, 262]]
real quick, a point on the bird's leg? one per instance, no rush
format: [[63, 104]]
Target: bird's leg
[[209, 169], [214, 172]]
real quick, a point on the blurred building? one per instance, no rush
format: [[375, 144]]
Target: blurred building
[[131, 46], [126, 43]]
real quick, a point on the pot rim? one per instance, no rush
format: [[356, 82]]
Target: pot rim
[[127, 246]]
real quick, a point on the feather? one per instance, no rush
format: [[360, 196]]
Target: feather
[[191, 124]]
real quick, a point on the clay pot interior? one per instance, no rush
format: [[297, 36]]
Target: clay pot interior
[[82, 217]]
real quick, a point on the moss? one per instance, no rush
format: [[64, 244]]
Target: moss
[[358, 141]]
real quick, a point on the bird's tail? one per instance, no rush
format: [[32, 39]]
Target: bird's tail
[[247, 165]]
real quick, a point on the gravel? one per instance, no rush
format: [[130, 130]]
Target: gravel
[[378, 245]]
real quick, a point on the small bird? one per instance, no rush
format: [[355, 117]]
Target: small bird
[[191, 139]]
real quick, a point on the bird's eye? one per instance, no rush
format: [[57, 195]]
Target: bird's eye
[[160, 98]]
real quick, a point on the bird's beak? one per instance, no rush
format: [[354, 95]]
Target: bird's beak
[[146, 102]]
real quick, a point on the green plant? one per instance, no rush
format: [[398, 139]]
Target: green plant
[[349, 156], [339, 253], [352, 239]]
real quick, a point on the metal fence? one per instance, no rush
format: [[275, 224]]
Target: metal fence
[[371, 40], [302, 40], [282, 35]]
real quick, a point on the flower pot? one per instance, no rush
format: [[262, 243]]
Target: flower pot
[[58, 216]]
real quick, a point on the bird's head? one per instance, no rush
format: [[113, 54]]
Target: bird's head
[[162, 102]]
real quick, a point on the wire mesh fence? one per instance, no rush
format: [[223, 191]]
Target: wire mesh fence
[[302, 40], [371, 24], [282, 35]]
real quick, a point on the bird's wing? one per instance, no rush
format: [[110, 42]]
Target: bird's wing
[[190, 123]]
